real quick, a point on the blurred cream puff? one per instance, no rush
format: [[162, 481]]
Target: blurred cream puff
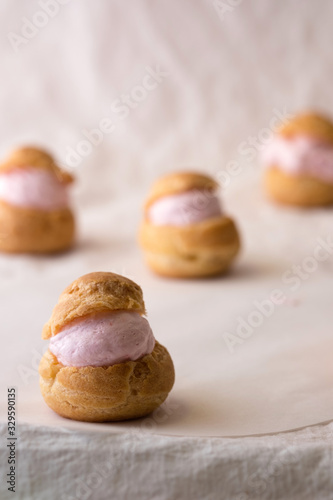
[[35, 214], [103, 362], [185, 233], [299, 162]]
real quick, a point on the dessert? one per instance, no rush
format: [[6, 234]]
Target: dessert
[[299, 162], [185, 233], [103, 362], [35, 216]]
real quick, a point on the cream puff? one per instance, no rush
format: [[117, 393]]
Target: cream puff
[[185, 233], [35, 214], [299, 162], [103, 362]]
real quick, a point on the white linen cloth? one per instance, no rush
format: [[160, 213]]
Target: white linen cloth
[[69, 465]]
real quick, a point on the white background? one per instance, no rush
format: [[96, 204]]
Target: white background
[[227, 73], [228, 76]]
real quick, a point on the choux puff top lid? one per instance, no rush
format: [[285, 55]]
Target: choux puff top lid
[[27, 157], [314, 125], [91, 294], [179, 182]]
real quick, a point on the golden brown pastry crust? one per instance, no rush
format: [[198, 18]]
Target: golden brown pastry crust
[[203, 266], [37, 158], [197, 250], [91, 294], [300, 190], [26, 230], [100, 394], [314, 125], [180, 182]]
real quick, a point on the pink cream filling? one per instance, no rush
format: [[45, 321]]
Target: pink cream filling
[[185, 208], [31, 187], [300, 155], [103, 340]]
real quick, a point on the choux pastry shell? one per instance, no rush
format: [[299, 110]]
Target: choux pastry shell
[[200, 248], [125, 390], [299, 165], [29, 229]]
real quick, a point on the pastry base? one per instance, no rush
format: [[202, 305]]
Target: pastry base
[[195, 251], [300, 190], [35, 231], [172, 266], [102, 394]]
